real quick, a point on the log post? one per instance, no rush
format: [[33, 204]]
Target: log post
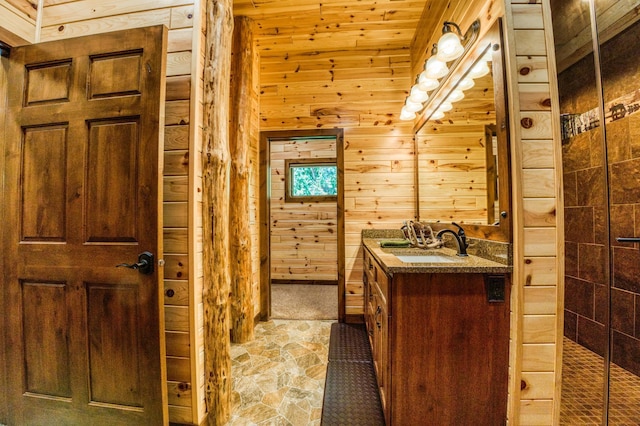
[[215, 206], [242, 56]]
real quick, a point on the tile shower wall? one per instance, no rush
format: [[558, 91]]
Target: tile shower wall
[[585, 280]]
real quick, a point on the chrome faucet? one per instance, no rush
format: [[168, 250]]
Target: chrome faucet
[[460, 236]]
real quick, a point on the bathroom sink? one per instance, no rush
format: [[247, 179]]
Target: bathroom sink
[[430, 258]]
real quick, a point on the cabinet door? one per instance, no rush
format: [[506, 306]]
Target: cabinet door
[[369, 307], [449, 350]]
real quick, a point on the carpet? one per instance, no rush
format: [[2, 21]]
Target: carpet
[[304, 302]]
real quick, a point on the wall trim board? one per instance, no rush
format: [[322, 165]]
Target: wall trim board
[[532, 244], [194, 220], [517, 214], [305, 282], [560, 225]]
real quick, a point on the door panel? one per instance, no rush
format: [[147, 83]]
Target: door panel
[[112, 180], [43, 183], [113, 342], [83, 138], [46, 349]]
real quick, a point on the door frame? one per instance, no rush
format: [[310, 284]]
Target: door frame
[[4, 66], [265, 212]]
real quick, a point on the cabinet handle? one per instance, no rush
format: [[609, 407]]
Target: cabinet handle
[[375, 318], [628, 239]]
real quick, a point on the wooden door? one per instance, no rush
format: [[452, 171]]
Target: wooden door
[[84, 126]]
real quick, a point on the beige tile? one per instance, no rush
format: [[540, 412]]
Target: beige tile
[[278, 378]]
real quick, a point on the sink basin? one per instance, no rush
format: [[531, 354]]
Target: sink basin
[[430, 258]]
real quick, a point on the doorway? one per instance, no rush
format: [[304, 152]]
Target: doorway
[[302, 225], [600, 100]]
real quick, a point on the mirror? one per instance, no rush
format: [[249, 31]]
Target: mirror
[[463, 158]]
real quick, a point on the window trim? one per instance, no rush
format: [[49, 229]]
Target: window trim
[[288, 163]]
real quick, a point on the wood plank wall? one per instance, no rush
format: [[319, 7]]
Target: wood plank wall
[[377, 156], [17, 22], [452, 173], [304, 236], [535, 362], [182, 173], [537, 294], [362, 92]]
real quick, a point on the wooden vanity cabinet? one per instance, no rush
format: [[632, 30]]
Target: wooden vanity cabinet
[[376, 315], [440, 348]]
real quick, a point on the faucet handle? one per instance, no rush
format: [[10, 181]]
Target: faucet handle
[[460, 230], [461, 234]]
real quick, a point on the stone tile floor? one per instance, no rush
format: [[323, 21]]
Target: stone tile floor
[[278, 378]]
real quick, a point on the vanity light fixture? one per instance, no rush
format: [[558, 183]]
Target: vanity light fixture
[[456, 96], [479, 70], [450, 47], [466, 84], [437, 115], [445, 106], [418, 95], [435, 68], [425, 83], [412, 106], [406, 114]]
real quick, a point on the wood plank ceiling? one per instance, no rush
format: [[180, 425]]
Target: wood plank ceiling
[[318, 26], [332, 63]]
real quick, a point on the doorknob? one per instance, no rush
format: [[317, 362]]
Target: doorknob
[[144, 265], [628, 239]]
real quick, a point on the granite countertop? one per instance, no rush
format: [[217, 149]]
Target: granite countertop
[[391, 264]]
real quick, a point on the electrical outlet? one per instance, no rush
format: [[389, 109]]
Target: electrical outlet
[[495, 288]]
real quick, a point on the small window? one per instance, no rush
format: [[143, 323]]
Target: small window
[[314, 179]]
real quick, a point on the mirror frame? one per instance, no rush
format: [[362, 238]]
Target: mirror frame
[[502, 231]]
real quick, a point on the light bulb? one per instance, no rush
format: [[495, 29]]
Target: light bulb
[[418, 95], [449, 47], [445, 106], [455, 96], [479, 70], [427, 84], [437, 115], [406, 115], [435, 68], [466, 83], [412, 106]]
